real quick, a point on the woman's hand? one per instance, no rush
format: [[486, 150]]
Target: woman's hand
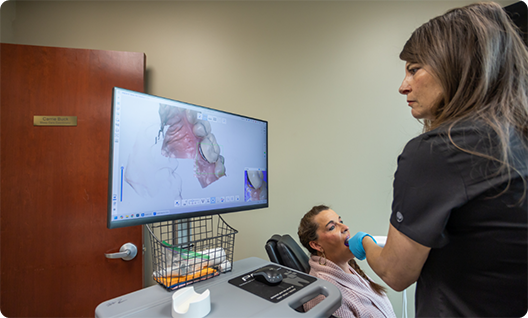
[[355, 245]]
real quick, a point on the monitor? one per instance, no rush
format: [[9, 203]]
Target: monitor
[[171, 160]]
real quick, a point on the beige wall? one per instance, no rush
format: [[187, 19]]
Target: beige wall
[[7, 17], [324, 74]]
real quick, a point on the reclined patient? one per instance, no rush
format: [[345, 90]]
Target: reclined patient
[[323, 233]]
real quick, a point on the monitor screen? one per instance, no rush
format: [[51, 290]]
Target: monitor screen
[[171, 160]]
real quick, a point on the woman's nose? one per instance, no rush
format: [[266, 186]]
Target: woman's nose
[[405, 88]]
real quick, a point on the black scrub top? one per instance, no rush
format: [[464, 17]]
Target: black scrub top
[[448, 199]]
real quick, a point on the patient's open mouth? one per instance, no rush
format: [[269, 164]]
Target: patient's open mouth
[[346, 240]]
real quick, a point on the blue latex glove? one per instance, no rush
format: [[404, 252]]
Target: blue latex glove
[[355, 245]]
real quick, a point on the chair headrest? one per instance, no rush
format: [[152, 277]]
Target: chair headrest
[[271, 249], [284, 250]]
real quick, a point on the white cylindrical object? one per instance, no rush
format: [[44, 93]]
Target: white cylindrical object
[[225, 266], [216, 256], [187, 303]]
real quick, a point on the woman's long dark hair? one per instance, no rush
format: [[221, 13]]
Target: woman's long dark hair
[[477, 55], [308, 232]]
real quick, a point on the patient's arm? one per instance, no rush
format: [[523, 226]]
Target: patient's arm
[[400, 262]]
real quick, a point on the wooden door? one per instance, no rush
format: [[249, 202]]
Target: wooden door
[[54, 181]]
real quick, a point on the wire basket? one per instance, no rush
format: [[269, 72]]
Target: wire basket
[[190, 250]]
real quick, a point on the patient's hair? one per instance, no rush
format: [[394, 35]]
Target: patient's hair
[[308, 232]]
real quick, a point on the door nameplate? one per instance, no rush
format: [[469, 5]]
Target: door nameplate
[[54, 120]]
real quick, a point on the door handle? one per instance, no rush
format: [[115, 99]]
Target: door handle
[[127, 252]]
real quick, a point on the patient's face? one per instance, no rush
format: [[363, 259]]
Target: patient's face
[[332, 235]]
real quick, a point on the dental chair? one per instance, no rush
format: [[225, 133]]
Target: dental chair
[[283, 250]]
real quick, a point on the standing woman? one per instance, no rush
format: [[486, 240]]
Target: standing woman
[[459, 223]]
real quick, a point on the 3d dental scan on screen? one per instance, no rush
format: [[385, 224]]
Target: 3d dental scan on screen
[[170, 160]]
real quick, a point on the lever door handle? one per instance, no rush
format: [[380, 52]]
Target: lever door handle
[[127, 252]]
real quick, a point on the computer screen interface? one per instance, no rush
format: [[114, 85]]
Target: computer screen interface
[[171, 160]]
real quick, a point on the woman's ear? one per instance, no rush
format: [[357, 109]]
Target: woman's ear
[[316, 246]]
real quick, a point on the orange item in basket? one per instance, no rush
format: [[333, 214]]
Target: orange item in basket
[[170, 281]]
